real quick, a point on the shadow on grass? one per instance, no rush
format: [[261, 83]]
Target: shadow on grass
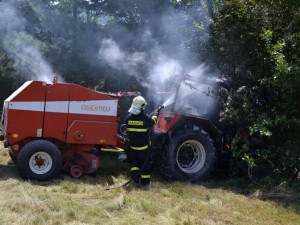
[[110, 168], [266, 189], [9, 171], [109, 171]]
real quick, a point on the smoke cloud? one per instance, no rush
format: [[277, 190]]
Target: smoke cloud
[[160, 59], [158, 52], [125, 62], [22, 47]]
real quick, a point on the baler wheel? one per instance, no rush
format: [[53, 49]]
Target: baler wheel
[[12, 157], [188, 156], [39, 160], [76, 171]]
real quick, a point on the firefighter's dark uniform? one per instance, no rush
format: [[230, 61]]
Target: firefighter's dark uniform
[[138, 132]]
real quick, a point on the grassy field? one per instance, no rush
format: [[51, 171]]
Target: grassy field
[[85, 201]]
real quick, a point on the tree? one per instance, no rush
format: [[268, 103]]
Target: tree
[[256, 44]]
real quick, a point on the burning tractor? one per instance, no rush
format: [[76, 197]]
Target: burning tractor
[[52, 127], [188, 141]]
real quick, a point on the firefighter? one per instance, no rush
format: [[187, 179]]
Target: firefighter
[[138, 125]]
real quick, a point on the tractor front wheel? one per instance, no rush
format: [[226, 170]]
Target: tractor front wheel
[[39, 160], [188, 156]]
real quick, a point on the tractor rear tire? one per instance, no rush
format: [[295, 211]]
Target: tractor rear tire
[[39, 160], [189, 156]]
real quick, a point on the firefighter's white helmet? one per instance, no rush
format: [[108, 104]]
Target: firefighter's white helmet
[[138, 104]]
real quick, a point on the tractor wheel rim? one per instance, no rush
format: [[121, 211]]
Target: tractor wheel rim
[[191, 156], [40, 162]]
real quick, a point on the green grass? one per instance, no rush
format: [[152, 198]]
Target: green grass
[[85, 201]]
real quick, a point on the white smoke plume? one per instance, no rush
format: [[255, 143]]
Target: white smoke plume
[[127, 63], [153, 69], [22, 47], [161, 68], [111, 53]]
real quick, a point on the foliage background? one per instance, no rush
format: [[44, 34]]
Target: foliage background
[[254, 44]]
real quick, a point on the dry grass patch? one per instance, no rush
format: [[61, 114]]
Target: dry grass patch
[[85, 201]]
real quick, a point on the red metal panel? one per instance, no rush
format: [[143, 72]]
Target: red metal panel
[[79, 93], [25, 111], [92, 132], [73, 116], [23, 123], [56, 111], [32, 91], [83, 108], [80, 110], [165, 125]]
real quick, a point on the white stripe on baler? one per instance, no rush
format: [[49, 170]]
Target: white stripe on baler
[[29, 106], [98, 107], [18, 91], [58, 107]]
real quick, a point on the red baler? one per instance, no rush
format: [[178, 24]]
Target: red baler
[[49, 127]]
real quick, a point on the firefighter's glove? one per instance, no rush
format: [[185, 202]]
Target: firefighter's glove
[[154, 119]]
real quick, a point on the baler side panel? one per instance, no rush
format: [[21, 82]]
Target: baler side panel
[[25, 124], [56, 111], [89, 105], [92, 132], [30, 91], [25, 112], [79, 93], [93, 116]]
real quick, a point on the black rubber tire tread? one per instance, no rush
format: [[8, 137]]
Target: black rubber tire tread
[[12, 157], [168, 164], [39, 146]]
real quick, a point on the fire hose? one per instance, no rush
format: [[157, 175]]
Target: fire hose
[[126, 140]]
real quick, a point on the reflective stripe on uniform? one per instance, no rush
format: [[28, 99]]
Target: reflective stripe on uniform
[[139, 148], [135, 168], [137, 129], [136, 123], [155, 119], [145, 176]]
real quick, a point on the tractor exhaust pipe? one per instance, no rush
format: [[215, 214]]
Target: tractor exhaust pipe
[[55, 80]]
